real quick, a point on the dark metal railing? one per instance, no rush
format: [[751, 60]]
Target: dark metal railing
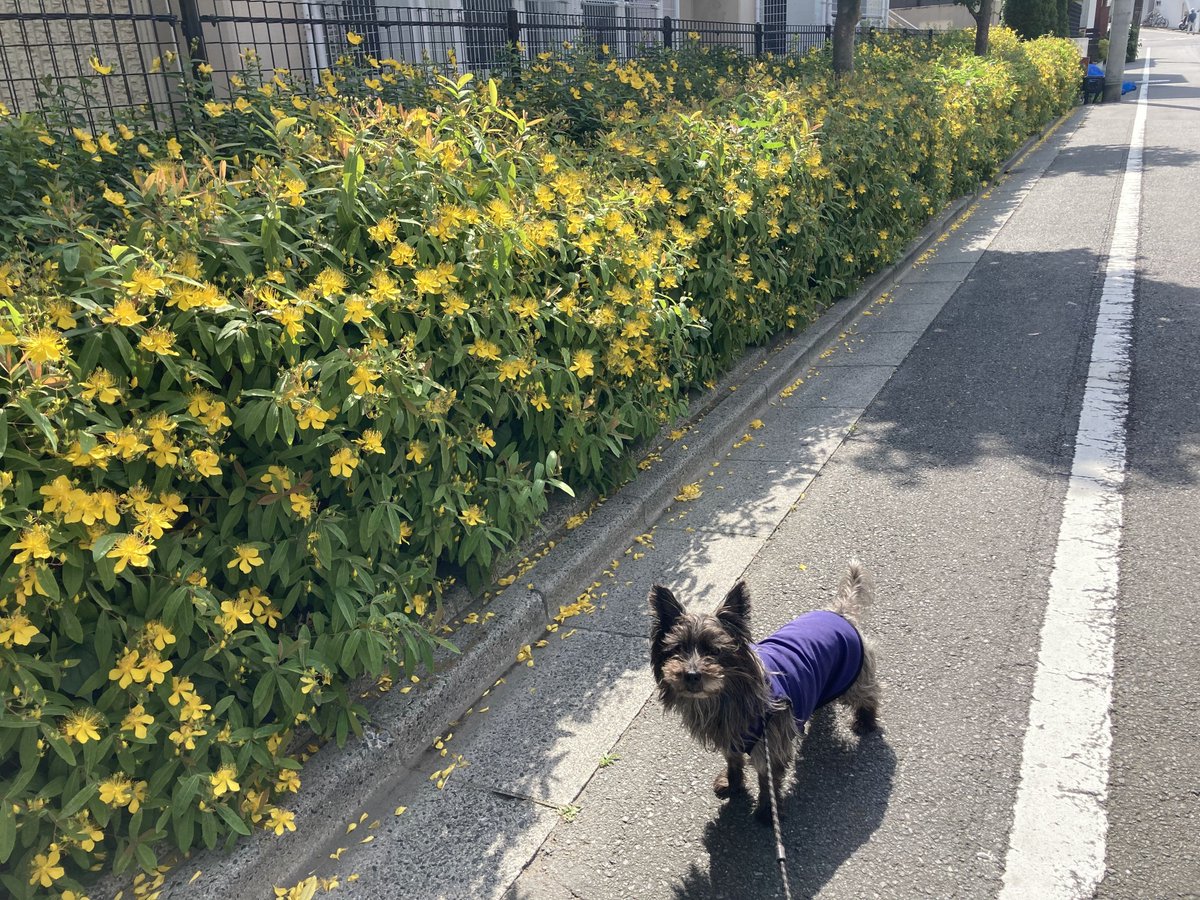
[[51, 51]]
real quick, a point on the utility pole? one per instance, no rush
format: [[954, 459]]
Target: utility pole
[[1118, 40]]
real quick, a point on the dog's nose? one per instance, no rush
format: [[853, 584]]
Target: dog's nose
[[691, 680]]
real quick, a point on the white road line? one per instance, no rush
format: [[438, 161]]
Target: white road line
[[1057, 845]]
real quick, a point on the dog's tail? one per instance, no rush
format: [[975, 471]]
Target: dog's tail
[[855, 593]]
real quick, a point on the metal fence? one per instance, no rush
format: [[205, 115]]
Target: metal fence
[[52, 50]]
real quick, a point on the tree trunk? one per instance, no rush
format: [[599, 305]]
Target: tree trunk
[[848, 14], [983, 24]]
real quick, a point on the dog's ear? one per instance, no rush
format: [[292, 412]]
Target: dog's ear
[[666, 610], [734, 612]]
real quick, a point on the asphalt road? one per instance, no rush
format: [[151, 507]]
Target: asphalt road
[[950, 487]]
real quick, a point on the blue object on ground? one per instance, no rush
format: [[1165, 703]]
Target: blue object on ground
[[1095, 70]]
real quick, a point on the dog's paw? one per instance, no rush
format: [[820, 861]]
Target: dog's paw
[[724, 788]]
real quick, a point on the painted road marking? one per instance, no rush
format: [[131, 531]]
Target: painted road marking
[[1057, 845]]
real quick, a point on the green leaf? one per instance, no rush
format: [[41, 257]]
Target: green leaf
[[76, 803], [232, 819], [8, 830], [60, 746], [104, 543]]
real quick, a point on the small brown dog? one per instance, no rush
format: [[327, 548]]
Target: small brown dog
[[744, 698]]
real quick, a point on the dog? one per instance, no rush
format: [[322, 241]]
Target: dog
[[754, 699]]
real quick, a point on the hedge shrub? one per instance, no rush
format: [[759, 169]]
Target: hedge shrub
[[269, 385]]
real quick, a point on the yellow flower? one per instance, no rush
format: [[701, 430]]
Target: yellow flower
[[384, 232], [484, 349], [416, 452], [107, 144], [124, 312], [116, 198], [45, 869], [144, 283], [44, 345], [406, 531], [362, 382], [83, 725], [174, 149], [427, 281], [330, 282], [159, 635], [215, 109], [100, 69], [512, 369], [371, 441], [130, 550], [116, 790], [689, 492], [160, 340], [281, 820], [246, 559], [17, 629], [223, 782], [353, 39], [403, 255], [302, 504], [454, 305], [583, 363], [472, 515], [136, 721], [181, 689], [342, 463], [205, 462], [34, 544], [157, 668], [289, 780], [127, 670], [313, 416], [356, 310], [139, 795], [540, 402]]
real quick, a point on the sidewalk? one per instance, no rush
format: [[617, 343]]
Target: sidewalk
[[532, 754]]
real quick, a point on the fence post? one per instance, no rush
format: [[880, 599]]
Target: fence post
[[668, 28], [758, 39], [513, 24], [871, 36], [193, 32], [828, 33], [930, 38]]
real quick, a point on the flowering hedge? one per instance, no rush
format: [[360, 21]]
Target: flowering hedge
[[266, 388]]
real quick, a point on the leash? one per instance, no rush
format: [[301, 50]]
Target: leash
[[780, 853]]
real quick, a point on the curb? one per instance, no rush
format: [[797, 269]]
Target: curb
[[403, 726]]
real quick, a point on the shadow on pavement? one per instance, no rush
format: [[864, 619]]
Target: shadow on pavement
[[835, 800], [960, 401]]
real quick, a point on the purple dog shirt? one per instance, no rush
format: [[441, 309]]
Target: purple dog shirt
[[809, 661]]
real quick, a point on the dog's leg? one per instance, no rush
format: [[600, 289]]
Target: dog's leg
[[733, 779], [863, 696], [763, 811], [776, 749]]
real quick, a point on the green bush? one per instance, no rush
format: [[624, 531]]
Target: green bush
[[268, 387]]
